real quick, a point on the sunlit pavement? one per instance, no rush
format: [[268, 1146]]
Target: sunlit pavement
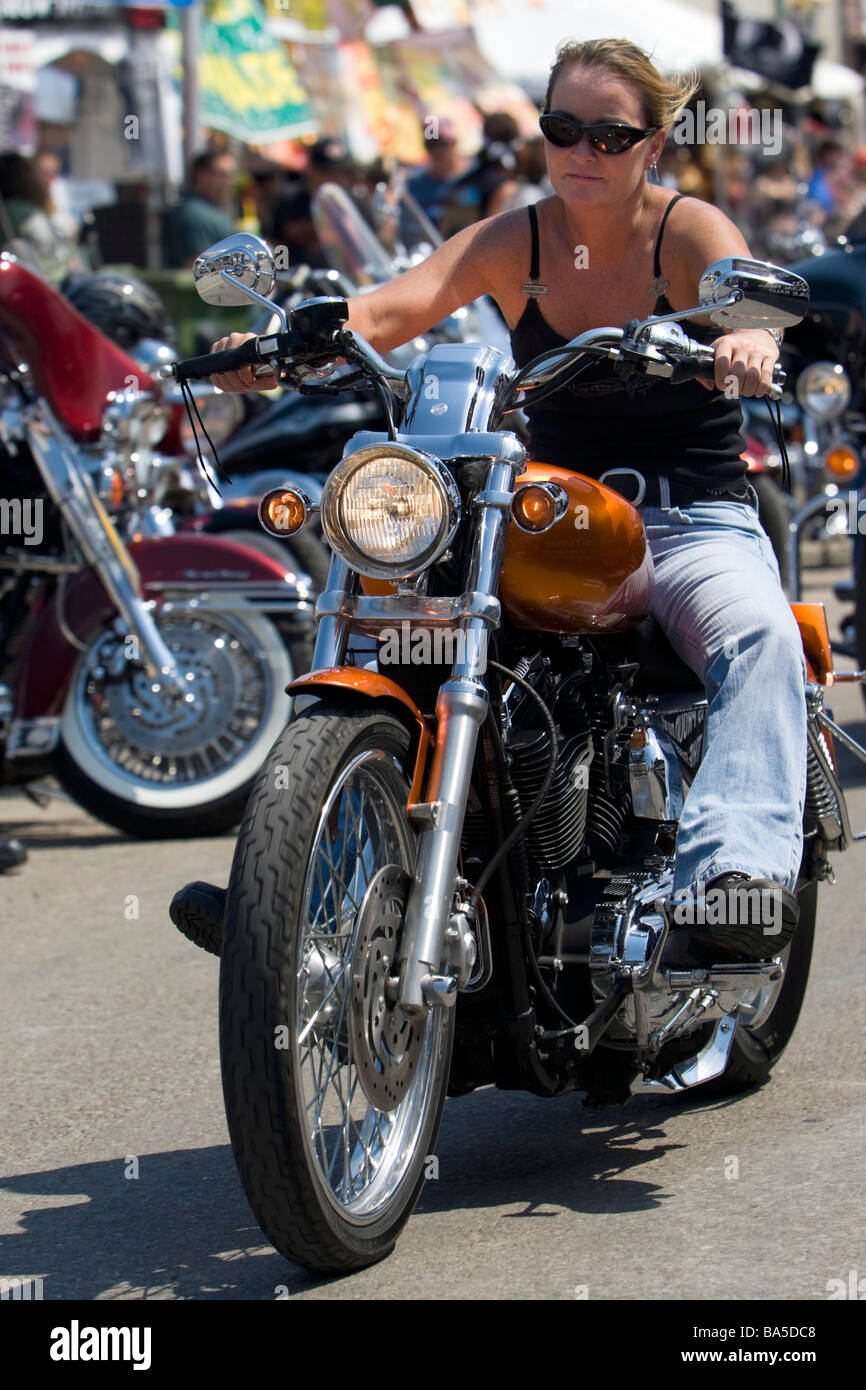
[[118, 1179]]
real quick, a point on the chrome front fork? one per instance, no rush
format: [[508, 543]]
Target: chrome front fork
[[461, 709], [103, 549], [422, 977]]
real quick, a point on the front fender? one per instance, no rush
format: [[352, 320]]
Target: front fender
[[189, 560], [167, 564], [372, 686]]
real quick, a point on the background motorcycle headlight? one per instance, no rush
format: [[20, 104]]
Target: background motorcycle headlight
[[390, 511], [221, 414], [824, 390]]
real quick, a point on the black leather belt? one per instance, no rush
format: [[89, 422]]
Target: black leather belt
[[651, 491]]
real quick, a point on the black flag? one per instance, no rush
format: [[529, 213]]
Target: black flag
[[780, 52]]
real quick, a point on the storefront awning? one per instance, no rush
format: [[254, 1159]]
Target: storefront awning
[[519, 38], [110, 44]]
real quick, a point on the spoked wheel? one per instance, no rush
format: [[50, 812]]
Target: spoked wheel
[[333, 1096], [156, 763]]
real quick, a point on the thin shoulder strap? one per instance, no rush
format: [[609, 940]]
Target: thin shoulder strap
[[657, 265], [533, 227]]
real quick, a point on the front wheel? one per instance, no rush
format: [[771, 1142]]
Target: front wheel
[[158, 765], [333, 1097]]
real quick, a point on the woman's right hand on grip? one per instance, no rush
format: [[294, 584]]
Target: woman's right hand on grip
[[242, 379]]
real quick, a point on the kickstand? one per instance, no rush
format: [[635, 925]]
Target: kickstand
[[40, 796]]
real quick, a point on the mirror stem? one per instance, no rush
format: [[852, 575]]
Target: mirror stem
[[260, 298], [733, 298]]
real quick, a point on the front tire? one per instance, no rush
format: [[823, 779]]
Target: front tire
[[157, 769], [331, 1178]]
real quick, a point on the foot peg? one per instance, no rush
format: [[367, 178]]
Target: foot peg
[[197, 912]]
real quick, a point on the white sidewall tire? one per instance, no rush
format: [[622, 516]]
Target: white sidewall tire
[[102, 772]]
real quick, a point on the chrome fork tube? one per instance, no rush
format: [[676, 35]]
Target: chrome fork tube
[[461, 709], [332, 629], [73, 492]]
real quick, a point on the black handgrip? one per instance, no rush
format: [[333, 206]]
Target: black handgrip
[[701, 362], [229, 360]]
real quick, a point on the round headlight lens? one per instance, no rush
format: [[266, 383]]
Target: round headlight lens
[[824, 390], [390, 511]]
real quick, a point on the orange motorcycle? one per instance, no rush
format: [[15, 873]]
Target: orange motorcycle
[[454, 866]]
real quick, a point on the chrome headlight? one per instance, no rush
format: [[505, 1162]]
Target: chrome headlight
[[390, 511], [824, 390], [221, 413], [134, 420]]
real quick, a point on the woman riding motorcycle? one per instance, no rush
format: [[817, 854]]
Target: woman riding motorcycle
[[609, 246]]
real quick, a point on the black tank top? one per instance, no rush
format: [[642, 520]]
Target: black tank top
[[600, 421]]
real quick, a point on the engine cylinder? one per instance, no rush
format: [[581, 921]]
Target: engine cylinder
[[556, 832]]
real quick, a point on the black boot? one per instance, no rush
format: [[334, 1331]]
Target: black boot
[[751, 919], [12, 855], [197, 912]]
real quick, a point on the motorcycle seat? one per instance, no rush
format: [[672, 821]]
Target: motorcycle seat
[[662, 669]]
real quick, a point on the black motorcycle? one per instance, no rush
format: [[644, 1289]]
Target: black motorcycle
[[825, 358]]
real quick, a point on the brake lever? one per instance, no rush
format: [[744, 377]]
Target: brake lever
[[325, 388]]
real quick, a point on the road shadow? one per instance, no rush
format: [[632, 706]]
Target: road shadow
[[501, 1148], [182, 1229], [83, 832]]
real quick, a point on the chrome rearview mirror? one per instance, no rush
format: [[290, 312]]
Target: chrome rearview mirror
[[236, 270], [740, 293]]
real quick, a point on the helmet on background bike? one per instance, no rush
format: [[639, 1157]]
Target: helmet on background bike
[[123, 308]]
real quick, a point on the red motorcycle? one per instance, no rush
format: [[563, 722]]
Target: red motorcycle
[[147, 676]]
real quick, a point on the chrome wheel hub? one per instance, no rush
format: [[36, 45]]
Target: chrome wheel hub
[[162, 737]]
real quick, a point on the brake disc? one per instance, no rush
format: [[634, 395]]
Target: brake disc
[[385, 1042]]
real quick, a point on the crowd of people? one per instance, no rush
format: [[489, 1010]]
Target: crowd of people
[[811, 191], [33, 225], [451, 188]]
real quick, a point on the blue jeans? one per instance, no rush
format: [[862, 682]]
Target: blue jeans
[[719, 599]]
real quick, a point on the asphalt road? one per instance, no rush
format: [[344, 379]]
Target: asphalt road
[[119, 1183]]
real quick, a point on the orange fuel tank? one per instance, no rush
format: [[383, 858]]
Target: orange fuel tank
[[591, 572]]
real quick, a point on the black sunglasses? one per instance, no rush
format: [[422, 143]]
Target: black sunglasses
[[608, 137]]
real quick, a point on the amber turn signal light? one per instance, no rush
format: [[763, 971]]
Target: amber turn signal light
[[284, 510], [842, 462], [538, 506], [118, 490]]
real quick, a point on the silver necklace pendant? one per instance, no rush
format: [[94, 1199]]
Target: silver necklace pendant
[[658, 286]]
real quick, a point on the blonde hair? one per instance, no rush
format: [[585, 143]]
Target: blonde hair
[[663, 98]]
